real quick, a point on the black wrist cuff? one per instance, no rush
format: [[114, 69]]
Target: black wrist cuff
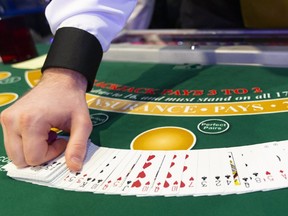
[[77, 50]]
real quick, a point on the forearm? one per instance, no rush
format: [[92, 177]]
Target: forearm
[[61, 78]]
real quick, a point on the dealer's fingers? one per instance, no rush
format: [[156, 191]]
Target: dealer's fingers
[[12, 141], [36, 148]]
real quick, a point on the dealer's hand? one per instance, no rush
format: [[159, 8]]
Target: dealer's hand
[[58, 101]]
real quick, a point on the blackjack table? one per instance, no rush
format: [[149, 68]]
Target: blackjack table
[[222, 105]]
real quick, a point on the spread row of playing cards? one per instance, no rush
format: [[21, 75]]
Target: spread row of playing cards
[[219, 171]]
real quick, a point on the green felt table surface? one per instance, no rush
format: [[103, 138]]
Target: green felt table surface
[[251, 120]]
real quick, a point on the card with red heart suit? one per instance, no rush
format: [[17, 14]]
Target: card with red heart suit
[[143, 174], [199, 172]]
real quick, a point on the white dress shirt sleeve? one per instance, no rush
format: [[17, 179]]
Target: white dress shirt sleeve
[[102, 18], [83, 30]]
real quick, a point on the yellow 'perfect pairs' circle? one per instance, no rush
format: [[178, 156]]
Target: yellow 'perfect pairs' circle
[[164, 138]]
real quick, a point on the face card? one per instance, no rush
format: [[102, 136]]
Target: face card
[[235, 175], [241, 156]]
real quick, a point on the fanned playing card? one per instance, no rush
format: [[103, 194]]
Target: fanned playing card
[[220, 173], [189, 174], [120, 182], [147, 171], [69, 177], [234, 170], [117, 177], [161, 175], [172, 181], [46, 172], [85, 177], [203, 173], [100, 174]]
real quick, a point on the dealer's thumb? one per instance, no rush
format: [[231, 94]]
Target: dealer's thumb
[[77, 145]]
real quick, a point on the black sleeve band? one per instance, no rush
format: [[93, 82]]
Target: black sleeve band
[[77, 50]]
